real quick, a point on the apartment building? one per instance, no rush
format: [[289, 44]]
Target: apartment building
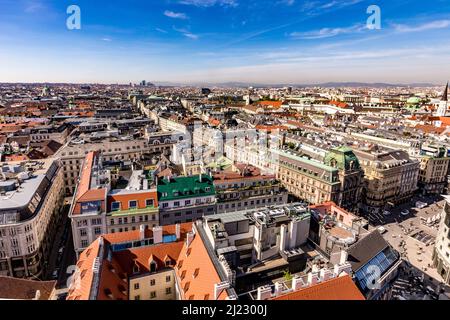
[[112, 149], [257, 246], [391, 177], [185, 199], [309, 180], [441, 253], [244, 187], [351, 176], [103, 204], [434, 169], [31, 196], [89, 204], [162, 263]]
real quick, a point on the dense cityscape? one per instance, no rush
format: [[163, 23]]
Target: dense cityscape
[[151, 192], [208, 159]]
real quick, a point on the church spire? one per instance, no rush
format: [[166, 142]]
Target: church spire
[[445, 95]]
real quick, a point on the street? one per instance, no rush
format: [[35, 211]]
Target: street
[[413, 236]]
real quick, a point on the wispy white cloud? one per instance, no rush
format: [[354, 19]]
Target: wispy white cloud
[[286, 2], [161, 30], [210, 3], [186, 33], [175, 15], [327, 32], [34, 6], [433, 25], [107, 39]]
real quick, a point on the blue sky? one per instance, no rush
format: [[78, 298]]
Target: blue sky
[[258, 41]]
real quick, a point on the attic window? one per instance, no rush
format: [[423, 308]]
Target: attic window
[[196, 273], [122, 289], [186, 286], [180, 264], [168, 262], [83, 273], [206, 296], [88, 252], [153, 266], [191, 297], [136, 268], [183, 275], [111, 268], [108, 293], [188, 252]]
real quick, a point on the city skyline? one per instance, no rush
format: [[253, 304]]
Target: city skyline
[[219, 41]]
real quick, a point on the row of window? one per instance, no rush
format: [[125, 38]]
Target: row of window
[[71, 153], [132, 204], [85, 223], [153, 294], [126, 229], [177, 204], [133, 219], [252, 203], [152, 282]]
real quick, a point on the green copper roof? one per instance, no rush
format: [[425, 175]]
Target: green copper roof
[[342, 158], [414, 100], [185, 187]]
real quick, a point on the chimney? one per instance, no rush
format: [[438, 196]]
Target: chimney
[[37, 296], [297, 283], [142, 229], [325, 274], [178, 231], [157, 235], [278, 289], [264, 293], [344, 256], [189, 238], [343, 268], [312, 278]]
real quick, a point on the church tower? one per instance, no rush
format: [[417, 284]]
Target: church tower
[[442, 110]]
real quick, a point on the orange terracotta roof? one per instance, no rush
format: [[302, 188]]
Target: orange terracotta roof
[[429, 128], [339, 104], [341, 288], [193, 262], [200, 274], [273, 104], [81, 287]]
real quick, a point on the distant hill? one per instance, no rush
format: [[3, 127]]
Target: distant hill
[[278, 85]]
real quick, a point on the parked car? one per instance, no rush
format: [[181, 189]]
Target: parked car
[[404, 212], [386, 213]]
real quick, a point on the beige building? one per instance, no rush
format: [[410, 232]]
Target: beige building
[[391, 177], [309, 180], [434, 165], [159, 285], [441, 253], [31, 198], [73, 154]]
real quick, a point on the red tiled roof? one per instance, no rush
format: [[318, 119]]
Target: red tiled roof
[[341, 288], [193, 261]]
